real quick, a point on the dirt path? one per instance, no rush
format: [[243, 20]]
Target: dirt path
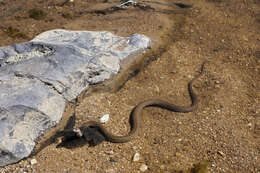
[[225, 130]]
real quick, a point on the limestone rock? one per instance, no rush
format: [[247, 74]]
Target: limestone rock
[[39, 77]]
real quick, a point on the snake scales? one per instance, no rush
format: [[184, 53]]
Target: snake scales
[[135, 114]]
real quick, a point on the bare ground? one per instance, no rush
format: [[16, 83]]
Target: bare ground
[[224, 130]]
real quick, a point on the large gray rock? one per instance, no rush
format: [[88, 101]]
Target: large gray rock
[[39, 77]]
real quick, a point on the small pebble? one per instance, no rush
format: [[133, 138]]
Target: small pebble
[[104, 118], [109, 152], [136, 157], [143, 168], [135, 147], [221, 153], [33, 161]]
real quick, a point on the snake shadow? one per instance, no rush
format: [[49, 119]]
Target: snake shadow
[[92, 137]]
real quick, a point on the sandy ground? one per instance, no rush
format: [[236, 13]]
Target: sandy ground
[[224, 130]]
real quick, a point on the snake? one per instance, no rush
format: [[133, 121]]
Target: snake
[[134, 119]]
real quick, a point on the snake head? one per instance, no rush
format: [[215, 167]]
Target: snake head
[[92, 135], [68, 135], [78, 132]]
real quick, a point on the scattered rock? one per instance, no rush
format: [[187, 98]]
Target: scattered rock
[[136, 157], [217, 82], [109, 152], [104, 118], [33, 161], [143, 168]]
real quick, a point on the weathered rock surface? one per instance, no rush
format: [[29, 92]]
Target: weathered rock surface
[[39, 77]]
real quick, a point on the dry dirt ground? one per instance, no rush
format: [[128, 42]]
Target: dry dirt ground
[[224, 130]]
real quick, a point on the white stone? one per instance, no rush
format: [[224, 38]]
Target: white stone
[[111, 152], [33, 161], [143, 168], [104, 118], [136, 157]]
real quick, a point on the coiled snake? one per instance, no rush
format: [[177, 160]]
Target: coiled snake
[[135, 114]]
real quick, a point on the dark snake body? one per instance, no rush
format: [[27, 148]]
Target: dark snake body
[[137, 111]]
